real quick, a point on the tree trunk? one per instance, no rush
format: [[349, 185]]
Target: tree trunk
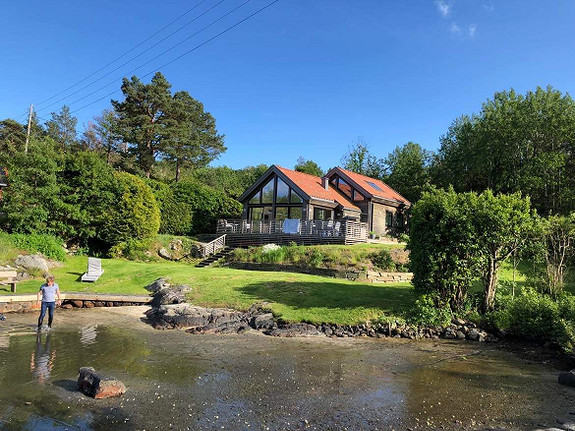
[[490, 281], [178, 168]]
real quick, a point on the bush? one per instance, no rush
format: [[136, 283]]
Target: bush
[[175, 217], [135, 214], [133, 249], [430, 309], [48, 245], [382, 260], [537, 316]]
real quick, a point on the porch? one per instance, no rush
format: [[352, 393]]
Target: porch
[[245, 233]]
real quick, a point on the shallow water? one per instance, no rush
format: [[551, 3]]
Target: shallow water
[[243, 382]]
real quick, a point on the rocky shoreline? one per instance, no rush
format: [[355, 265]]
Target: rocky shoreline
[[170, 311]]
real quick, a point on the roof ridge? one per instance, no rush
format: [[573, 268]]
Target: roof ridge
[[299, 172]]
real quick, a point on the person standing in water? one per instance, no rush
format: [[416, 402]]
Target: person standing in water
[[50, 291]]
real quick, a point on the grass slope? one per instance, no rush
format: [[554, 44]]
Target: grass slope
[[295, 297]]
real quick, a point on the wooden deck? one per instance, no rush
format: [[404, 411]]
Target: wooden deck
[[246, 233]]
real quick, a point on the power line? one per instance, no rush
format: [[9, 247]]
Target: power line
[[133, 58], [187, 52], [159, 55], [125, 53]]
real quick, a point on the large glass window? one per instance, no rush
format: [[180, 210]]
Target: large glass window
[[267, 213], [257, 198], [281, 213], [321, 214], [282, 196], [255, 213], [344, 187], [268, 192], [357, 196], [388, 218], [295, 212], [294, 197]]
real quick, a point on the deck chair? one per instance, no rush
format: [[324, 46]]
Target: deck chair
[[94, 270]]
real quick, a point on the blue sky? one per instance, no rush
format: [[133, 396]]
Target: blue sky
[[302, 78]]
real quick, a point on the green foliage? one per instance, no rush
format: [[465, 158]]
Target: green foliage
[[309, 167], [158, 124], [443, 249], [515, 143], [537, 316], [134, 249], [135, 213], [456, 237], [48, 245], [62, 128], [430, 310], [176, 217], [207, 205], [383, 260], [358, 159], [232, 182], [408, 170]]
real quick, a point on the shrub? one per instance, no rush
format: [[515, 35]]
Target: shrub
[[175, 217], [430, 309], [537, 316], [135, 214], [383, 260], [134, 249], [48, 245]]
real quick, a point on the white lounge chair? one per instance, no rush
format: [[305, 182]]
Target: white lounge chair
[[94, 270]]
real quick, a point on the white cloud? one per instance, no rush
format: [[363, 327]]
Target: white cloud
[[454, 28], [472, 30], [489, 7], [443, 7]]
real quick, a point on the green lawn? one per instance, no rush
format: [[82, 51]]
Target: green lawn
[[296, 297]]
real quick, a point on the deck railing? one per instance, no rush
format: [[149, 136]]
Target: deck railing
[[348, 229], [213, 247]]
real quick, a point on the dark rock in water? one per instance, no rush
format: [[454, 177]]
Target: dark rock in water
[[157, 285], [97, 386], [567, 378], [171, 295], [294, 330], [201, 319]]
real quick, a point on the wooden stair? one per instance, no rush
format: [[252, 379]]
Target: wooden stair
[[211, 259]]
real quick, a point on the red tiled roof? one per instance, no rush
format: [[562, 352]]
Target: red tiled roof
[[386, 192], [311, 185]]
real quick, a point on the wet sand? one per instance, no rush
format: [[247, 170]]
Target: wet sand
[[250, 381]]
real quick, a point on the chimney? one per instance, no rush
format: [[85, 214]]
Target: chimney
[[325, 182]]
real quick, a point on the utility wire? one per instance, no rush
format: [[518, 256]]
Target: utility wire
[[187, 52], [133, 58], [161, 54], [126, 53]]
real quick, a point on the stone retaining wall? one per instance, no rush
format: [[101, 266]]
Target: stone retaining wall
[[354, 275]]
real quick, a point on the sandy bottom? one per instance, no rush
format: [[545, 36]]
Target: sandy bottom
[[242, 382]]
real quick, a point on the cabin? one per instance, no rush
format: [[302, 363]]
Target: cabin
[[342, 207]]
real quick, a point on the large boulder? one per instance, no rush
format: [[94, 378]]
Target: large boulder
[[158, 284], [199, 319], [33, 262], [171, 295], [294, 330], [97, 386]]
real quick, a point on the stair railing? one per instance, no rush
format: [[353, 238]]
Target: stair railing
[[213, 247]]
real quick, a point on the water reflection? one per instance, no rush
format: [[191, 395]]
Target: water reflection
[[42, 360]]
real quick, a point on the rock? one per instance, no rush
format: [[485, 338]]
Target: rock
[[77, 303], [198, 318], [459, 321], [97, 386], [67, 306], [269, 247], [157, 285], [165, 254], [567, 378], [88, 304], [460, 335], [473, 335], [296, 330], [262, 321], [450, 333], [99, 304], [35, 262], [171, 295]]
